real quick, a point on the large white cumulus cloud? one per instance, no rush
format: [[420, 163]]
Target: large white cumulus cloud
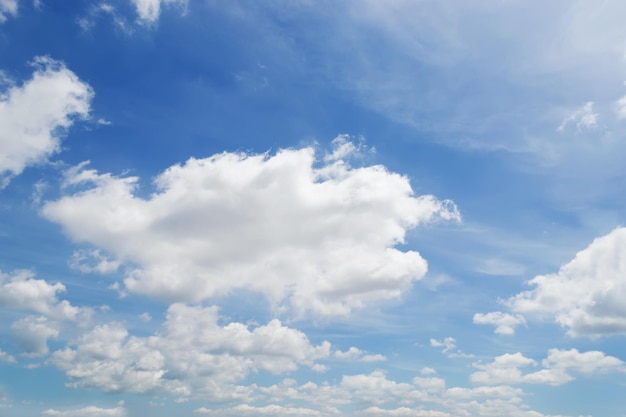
[[34, 115], [587, 294], [313, 236]]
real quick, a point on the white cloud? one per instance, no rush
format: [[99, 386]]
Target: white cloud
[[191, 356], [505, 369], [585, 362], [150, 10], [620, 108], [269, 410], [93, 261], [430, 384], [6, 358], [7, 7], [498, 391], [376, 389], [587, 294], [376, 395], [357, 354], [313, 238], [582, 118], [449, 348], [32, 334], [21, 291], [90, 411], [401, 412], [505, 323], [34, 116]]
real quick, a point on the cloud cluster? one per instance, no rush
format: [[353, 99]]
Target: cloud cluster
[[192, 356], [34, 115], [375, 394], [312, 236], [587, 294], [505, 369], [21, 291]]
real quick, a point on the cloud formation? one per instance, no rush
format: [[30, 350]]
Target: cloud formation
[[505, 369], [192, 356], [505, 323], [35, 115], [312, 236], [148, 11], [21, 291], [586, 295], [7, 7], [90, 411]]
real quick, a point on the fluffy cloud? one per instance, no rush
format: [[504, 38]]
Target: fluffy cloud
[[7, 7], [150, 10], [586, 362], [505, 323], [21, 291], [90, 411], [505, 369], [191, 356], [316, 237], [32, 334], [357, 354], [587, 294], [34, 116]]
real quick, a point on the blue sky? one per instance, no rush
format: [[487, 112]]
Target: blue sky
[[312, 208]]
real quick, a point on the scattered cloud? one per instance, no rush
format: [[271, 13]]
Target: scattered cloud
[[90, 411], [505, 369], [357, 354], [449, 348], [620, 108], [7, 7], [192, 356], [32, 334], [505, 323], [92, 261], [583, 118], [268, 410], [149, 11], [322, 238], [21, 291], [6, 358], [586, 295], [35, 115]]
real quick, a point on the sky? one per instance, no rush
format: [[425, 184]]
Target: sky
[[405, 208]]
